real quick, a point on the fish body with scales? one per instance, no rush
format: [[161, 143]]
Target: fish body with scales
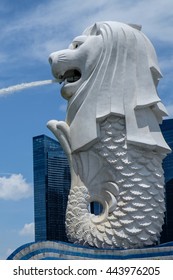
[[133, 208]]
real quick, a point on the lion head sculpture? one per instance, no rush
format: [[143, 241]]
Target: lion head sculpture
[[116, 59]]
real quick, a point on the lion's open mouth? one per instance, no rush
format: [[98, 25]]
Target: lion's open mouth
[[70, 76]]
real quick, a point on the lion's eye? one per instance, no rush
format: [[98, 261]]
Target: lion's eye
[[77, 42], [76, 46]]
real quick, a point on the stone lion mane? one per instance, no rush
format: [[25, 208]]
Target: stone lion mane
[[124, 83]]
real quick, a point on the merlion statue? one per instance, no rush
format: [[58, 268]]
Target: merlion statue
[[112, 137]]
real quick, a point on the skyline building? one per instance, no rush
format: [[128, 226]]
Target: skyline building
[[167, 130], [51, 188]]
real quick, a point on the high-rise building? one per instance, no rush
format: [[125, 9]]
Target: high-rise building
[[167, 130], [51, 188]]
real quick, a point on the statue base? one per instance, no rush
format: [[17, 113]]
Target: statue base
[[57, 250]]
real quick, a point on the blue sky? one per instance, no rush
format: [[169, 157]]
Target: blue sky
[[29, 32]]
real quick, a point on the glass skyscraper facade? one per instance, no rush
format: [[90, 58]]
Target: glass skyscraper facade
[[167, 130], [51, 188]]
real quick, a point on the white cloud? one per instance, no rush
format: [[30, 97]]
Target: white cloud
[[28, 229], [14, 187], [51, 25], [55, 21]]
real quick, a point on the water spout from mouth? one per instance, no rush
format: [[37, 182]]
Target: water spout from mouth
[[22, 86]]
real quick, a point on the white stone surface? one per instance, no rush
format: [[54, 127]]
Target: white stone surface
[[112, 136]]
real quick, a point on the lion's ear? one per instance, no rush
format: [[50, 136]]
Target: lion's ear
[[136, 26], [95, 30]]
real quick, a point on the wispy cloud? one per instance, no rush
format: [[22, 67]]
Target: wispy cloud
[[28, 229], [51, 24], [14, 187]]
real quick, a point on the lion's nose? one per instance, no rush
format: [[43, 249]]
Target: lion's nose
[[50, 60], [53, 58]]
